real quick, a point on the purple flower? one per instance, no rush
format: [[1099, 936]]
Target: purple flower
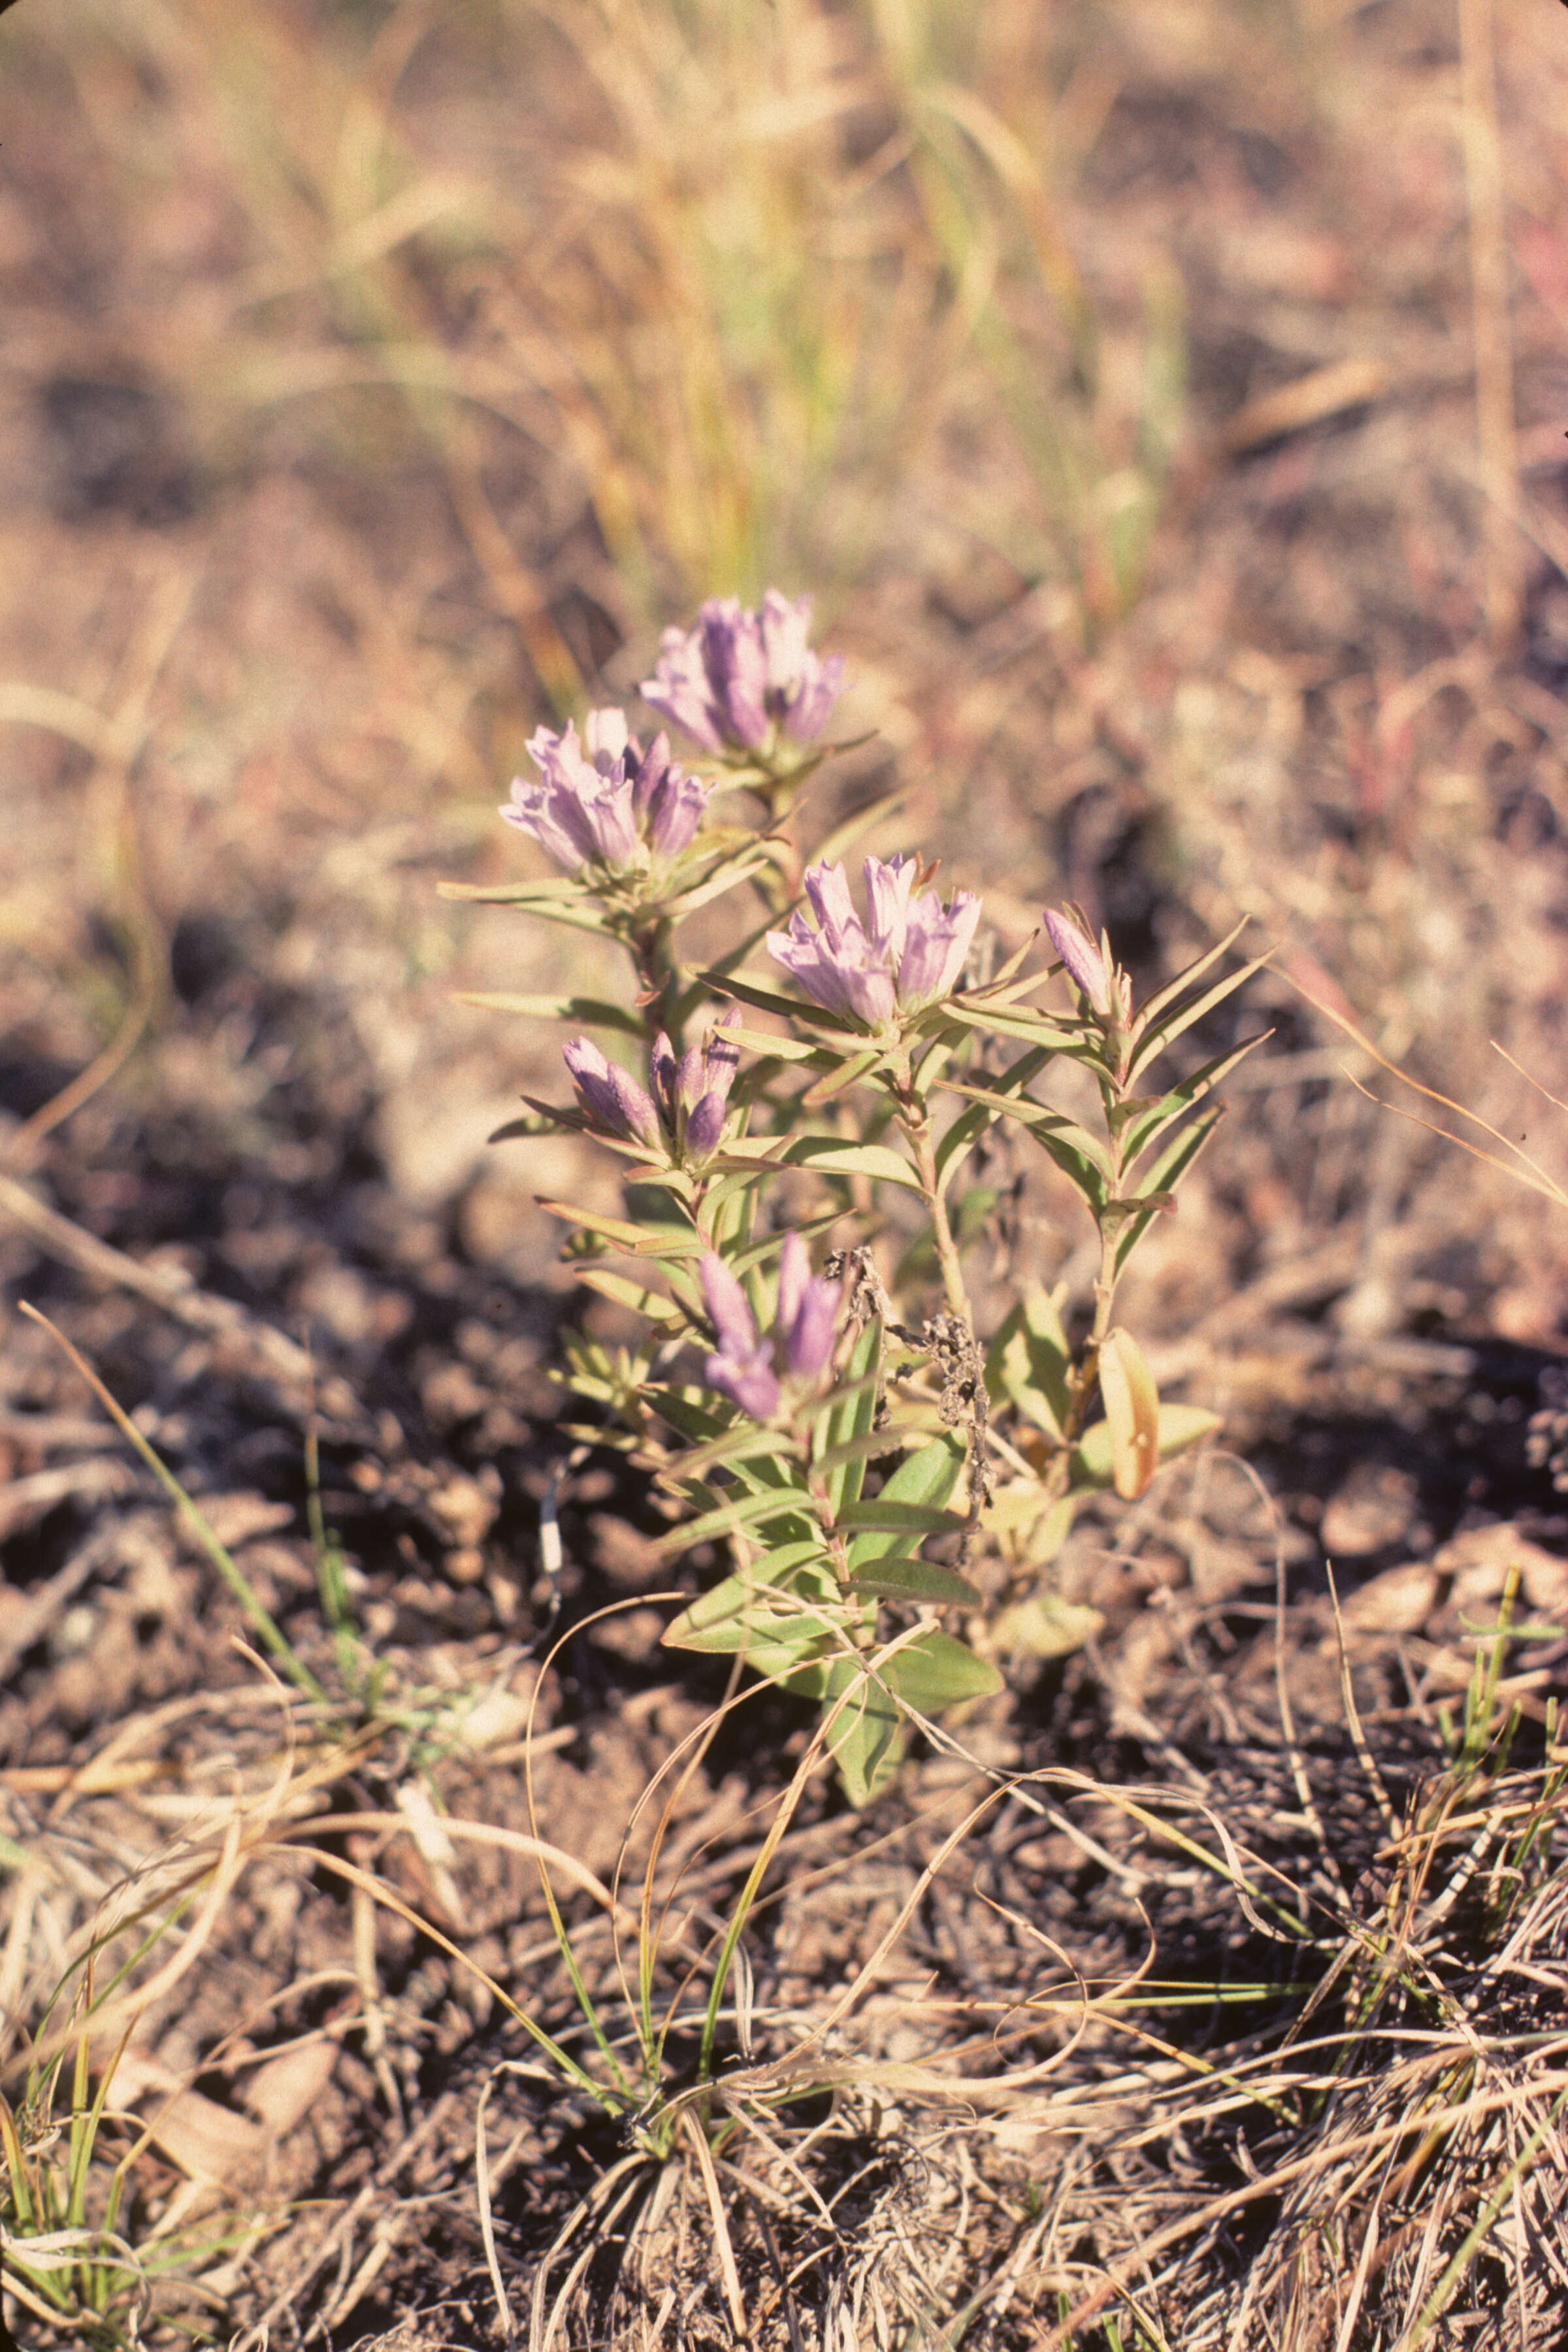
[[743, 1369], [1085, 964], [698, 1084], [604, 800], [609, 1095], [800, 1347], [738, 676], [909, 951]]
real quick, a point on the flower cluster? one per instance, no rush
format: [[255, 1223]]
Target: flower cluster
[[739, 678], [910, 951], [604, 800], [750, 1371], [689, 1098]]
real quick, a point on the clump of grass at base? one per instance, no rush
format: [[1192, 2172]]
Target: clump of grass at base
[[1401, 2122]]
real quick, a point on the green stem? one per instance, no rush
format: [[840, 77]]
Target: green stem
[[916, 1125], [651, 945], [1086, 1370]]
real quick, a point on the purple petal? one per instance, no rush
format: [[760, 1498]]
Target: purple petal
[[610, 1095], [888, 888], [810, 705], [648, 769], [827, 888], [1085, 965], [753, 1383], [678, 807], [591, 1077], [704, 1126], [841, 980], [532, 810], [937, 945], [727, 1310], [737, 670], [809, 1341], [638, 1114], [608, 815], [794, 1273], [679, 688]]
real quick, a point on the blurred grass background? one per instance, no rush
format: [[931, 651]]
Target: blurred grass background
[[378, 379]]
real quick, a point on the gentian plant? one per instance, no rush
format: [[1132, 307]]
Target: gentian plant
[[891, 1482]]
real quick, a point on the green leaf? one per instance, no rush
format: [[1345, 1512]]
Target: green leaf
[[1031, 1028], [639, 1241], [1181, 1425], [778, 1049], [1029, 1357], [1163, 1177], [767, 1606], [768, 1000], [744, 1444], [1046, 1627], [1164, 1033], [911, 1503], [970, 1125], [935, 1671], [1175, 989], [722, 877], [745, 1507], [850, 1072], [588, 1011], [626, 1292], [896, 1577], [846, 1425], [868, 1744], [828, 1156], [1141, 1132], [758, 1253]]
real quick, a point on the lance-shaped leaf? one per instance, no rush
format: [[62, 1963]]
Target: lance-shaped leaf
[[1030, 1028], [909, 1503], [788, 1599], [1028, 1360], [788, 1008], [900, 1578], [1175, 989], [639, 1241], [743, 1508], [585, 1012], [1131, 1413], [783, 1049], [845, 1426], [850, 1072], [1164, 1032], [1151, 1119], [829, 1156], [970, 1124], [626, 1292], [869, 1730], [1161, 1180], [934, 1671]]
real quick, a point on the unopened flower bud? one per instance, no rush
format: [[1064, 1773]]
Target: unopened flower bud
[[1085, 964]]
